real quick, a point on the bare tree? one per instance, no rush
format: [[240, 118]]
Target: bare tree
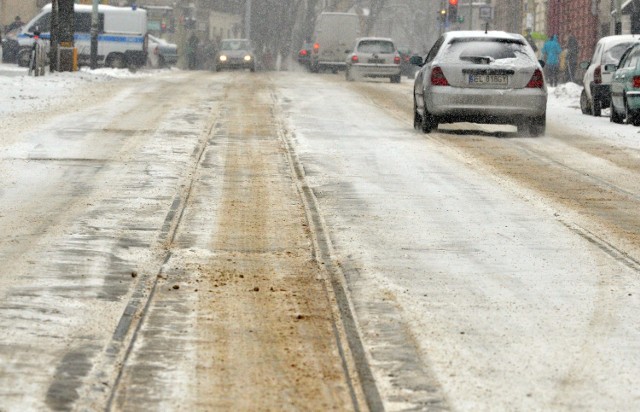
[[375, 8]]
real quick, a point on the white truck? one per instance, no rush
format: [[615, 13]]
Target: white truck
[[333, 39], [122, 35]]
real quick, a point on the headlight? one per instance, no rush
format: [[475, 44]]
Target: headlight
[[223, 58], [247, 58]]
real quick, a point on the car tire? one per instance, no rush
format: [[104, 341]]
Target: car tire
[[584, 103], [537, 126], [596, 107], [116, 61], [348, 75], [24, 57], [615, 116], [428, 122], [632, 116], [417, 118], [395, 79]]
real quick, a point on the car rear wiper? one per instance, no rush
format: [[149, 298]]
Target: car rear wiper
[[478, 59]]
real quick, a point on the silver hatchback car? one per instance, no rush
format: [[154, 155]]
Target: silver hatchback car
[[374, 57], [480, 77]]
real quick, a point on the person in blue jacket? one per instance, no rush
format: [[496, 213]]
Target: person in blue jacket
[[551, 51]]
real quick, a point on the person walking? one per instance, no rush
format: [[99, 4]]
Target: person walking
[[551, 55], [573, 51]]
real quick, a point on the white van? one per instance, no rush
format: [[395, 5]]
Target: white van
[[122, 35], [334, 36]]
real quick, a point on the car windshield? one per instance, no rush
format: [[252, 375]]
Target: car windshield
[[613, 55], [235, 45], [486, 50], [375, 46]]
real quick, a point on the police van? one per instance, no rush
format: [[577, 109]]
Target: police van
[[122, 35]]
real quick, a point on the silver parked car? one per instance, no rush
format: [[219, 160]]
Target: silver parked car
[[480, 77], [161, 53], [374, 57]]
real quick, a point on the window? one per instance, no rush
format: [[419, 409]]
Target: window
[[376, 46], [486, 50]]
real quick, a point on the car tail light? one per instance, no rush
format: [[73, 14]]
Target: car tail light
[[537, 80], [636, 82], [316, 47], [354, 58], [396, 60], [437, 77], [303, 52], [597, 75]]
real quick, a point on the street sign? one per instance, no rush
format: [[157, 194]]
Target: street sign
[[486, 13]]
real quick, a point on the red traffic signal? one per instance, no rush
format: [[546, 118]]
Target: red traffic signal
[[453, 2]]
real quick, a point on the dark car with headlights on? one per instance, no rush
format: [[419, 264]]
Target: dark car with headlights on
[[236, 54], [480, 77]]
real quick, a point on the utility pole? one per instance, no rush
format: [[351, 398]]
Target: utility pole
[[94, 35], [54, 63], [247, 20], [66, 26], [618, 21]]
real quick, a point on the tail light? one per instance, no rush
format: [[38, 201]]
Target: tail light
[[316, 47], [636, 82], [437, 77], [537, 80], [396, 60], [354, 59], [303, 52], [597, 75]]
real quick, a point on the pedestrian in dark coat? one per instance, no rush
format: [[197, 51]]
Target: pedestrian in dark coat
[[573, 51]]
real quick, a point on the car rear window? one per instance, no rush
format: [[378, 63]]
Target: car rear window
[[613, 54], [375, 46], [487, 50]]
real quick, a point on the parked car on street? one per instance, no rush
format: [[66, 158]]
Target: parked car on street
[[236, 54], [304, 55], [161, 53], [480, 77], [596, 94], [406, 68], [373, 57], [625, 87], [10, 46]]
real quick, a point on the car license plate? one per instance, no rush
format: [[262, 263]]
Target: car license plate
[[376, 61], [489, 79]]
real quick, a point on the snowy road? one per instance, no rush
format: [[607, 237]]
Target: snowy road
[[237, 241]]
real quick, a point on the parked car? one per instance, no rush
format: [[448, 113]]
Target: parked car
[[161, 53], [236, 54], [373, 57], [625, 87], [304, 55], [406, 68], [480, 77], [10, 46], [596, 94]]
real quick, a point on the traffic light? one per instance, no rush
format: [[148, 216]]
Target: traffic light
[[453, 11]]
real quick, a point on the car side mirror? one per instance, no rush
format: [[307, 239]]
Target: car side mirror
[[584, 65], [542, 63], [610, 67], [347, 51], [416, 61]]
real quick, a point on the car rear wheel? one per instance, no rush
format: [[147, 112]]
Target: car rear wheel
[[417, 119], [537, 126], [428, 121], [596, 107], [348, 75], [116, 61], [584, 103], [633, 117], [615, 116]]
